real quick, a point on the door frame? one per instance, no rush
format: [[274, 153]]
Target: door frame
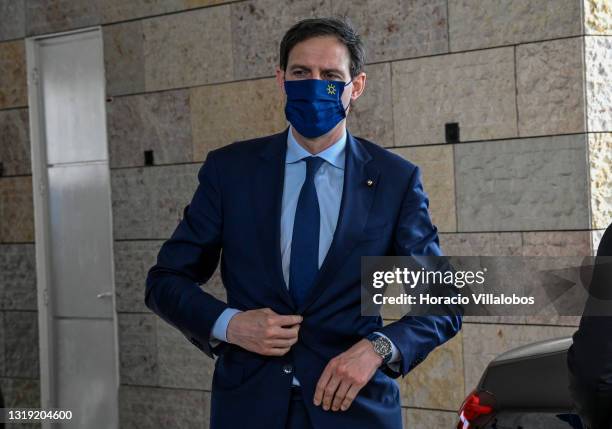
[[48, 396]]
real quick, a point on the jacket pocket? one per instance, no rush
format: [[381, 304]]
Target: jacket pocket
[[228, 373]]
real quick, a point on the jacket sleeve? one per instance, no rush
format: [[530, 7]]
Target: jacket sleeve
[[189, 258], [417, 336]]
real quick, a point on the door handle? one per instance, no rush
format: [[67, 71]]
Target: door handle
[[104, 295]]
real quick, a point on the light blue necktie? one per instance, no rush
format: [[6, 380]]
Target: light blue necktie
[[304, 261]]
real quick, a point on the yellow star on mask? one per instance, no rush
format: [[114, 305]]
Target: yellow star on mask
[[331, 89]]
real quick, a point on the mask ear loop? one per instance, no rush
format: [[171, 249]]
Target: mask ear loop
[[349, 104]]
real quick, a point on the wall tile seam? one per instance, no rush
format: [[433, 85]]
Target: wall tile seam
[[13, 176], [503, 139], [103, 23], [591, 218], [159, 387], [189, 88], [391, 61], [14, 107], [8, 109], [18, 377], [391, 78], [516, 94], [16, 39], [169, 164], [16, 310], [232, 2], [448, 39], [450, 52], [582, 11]]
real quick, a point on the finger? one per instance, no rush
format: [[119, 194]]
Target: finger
[[350, 397], [275, 351], [280, 342], [323, 380], [284, 320], [340, 395], [278, 332], [330, 390]]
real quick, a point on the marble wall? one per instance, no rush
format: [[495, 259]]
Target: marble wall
[[528, 82], [19, 367]]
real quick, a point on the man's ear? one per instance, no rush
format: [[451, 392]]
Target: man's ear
[[356, 89], [358, 86], [280, 79]]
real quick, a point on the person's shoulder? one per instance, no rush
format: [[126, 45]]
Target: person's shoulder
[[605, 244]]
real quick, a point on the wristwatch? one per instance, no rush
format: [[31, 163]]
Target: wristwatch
[[382, 346]]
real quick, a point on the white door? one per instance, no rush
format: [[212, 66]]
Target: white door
[[73, 222]]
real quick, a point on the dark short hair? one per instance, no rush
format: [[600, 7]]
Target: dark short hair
[[340, 27]]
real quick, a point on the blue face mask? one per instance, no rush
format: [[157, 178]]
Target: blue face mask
[[314, 106]]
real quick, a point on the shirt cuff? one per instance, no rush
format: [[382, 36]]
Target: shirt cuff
[[219, 329], [395, 354]]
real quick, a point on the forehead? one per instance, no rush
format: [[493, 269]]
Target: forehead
[[320, 52]]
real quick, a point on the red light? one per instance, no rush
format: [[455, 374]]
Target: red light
[[472, 409]]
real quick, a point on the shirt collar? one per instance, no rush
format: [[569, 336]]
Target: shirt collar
[[335, 154]]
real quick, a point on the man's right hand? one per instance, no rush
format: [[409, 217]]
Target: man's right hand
[[263, 331]]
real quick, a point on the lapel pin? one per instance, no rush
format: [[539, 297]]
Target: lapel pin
[[370, 182]]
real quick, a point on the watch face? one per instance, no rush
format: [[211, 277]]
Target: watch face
[[382, 346]]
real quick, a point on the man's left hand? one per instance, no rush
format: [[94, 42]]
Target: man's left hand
[[345, 375]]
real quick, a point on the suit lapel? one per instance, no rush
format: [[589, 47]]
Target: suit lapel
[[267, 193], [357, 198]]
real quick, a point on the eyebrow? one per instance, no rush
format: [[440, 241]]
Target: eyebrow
[[300, 66]]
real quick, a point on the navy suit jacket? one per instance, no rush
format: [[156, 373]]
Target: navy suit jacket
[[234, 216]]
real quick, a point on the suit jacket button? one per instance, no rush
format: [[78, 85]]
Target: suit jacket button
[[287, 368]]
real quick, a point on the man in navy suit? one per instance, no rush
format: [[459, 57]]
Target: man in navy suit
[[290, 216]]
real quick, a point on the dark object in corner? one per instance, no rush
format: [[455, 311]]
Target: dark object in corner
[[589, 358], [1, 169], [452, 132], [148, 155]]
